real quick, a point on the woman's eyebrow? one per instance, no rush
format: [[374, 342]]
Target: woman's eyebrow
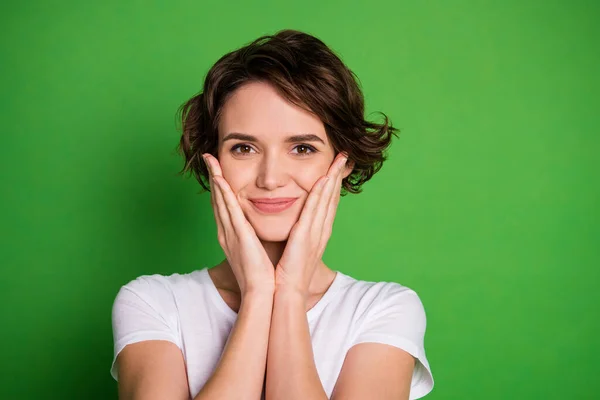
[[309, 137]]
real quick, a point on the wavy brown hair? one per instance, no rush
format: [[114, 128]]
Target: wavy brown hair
[[308, 74]]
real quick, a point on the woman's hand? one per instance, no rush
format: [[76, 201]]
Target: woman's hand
[[309, 236], [245, 253]]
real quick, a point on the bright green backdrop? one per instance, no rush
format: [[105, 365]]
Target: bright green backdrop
[[487, 207]]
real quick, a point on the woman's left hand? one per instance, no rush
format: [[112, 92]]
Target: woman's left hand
[[309, 236]]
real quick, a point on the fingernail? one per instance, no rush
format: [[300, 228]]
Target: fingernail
[[206, 163]]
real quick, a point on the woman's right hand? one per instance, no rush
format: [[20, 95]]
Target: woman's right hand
[[245, 253]]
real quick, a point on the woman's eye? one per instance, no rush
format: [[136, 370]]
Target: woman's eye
[[303, 149], [307, 147], [240, 146]]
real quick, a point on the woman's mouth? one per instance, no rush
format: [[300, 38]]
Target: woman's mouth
[[271, 206]]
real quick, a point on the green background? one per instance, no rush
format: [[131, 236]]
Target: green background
[[487, 206]]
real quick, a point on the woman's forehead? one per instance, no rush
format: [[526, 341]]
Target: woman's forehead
[[258, 110]]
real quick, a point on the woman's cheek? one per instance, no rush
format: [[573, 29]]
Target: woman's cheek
[[309, 180], [238, 178]]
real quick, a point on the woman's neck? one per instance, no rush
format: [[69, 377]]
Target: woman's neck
[[226, 280], [274, 250]]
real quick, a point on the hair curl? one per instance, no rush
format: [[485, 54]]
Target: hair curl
[[308, 74]]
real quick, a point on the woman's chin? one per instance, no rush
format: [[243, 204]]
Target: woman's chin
[[272, 232], [275, 227]]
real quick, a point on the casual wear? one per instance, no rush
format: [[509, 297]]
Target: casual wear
[[188, 310]]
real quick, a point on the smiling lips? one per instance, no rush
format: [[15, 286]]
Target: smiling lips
[[273, 205]]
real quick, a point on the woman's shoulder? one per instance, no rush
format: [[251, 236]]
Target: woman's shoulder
[[371, 297], [376, 288], [156, 285]]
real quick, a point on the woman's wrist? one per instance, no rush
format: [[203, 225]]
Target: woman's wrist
[[259, 293]]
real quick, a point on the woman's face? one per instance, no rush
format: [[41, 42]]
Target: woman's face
[[269, 165]]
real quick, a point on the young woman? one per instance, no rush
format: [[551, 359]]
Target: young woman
[[278, 135]]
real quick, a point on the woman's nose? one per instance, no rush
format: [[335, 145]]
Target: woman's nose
[[272, 173]]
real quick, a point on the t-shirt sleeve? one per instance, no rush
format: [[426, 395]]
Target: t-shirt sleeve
[[397, 318], [141, 311]]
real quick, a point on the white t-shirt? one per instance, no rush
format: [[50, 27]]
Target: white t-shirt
[[187, 310]]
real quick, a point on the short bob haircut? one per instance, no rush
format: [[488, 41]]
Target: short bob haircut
[[309, 75]]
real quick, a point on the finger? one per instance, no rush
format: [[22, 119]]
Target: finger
[[213, 199], [223, 210], [338, 184], [336, 165], [335, 198], [329, 193], [324, 221], [215, 165], [238, 219], [220, 202], [309, 213], [312, 201], [223, 186]]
